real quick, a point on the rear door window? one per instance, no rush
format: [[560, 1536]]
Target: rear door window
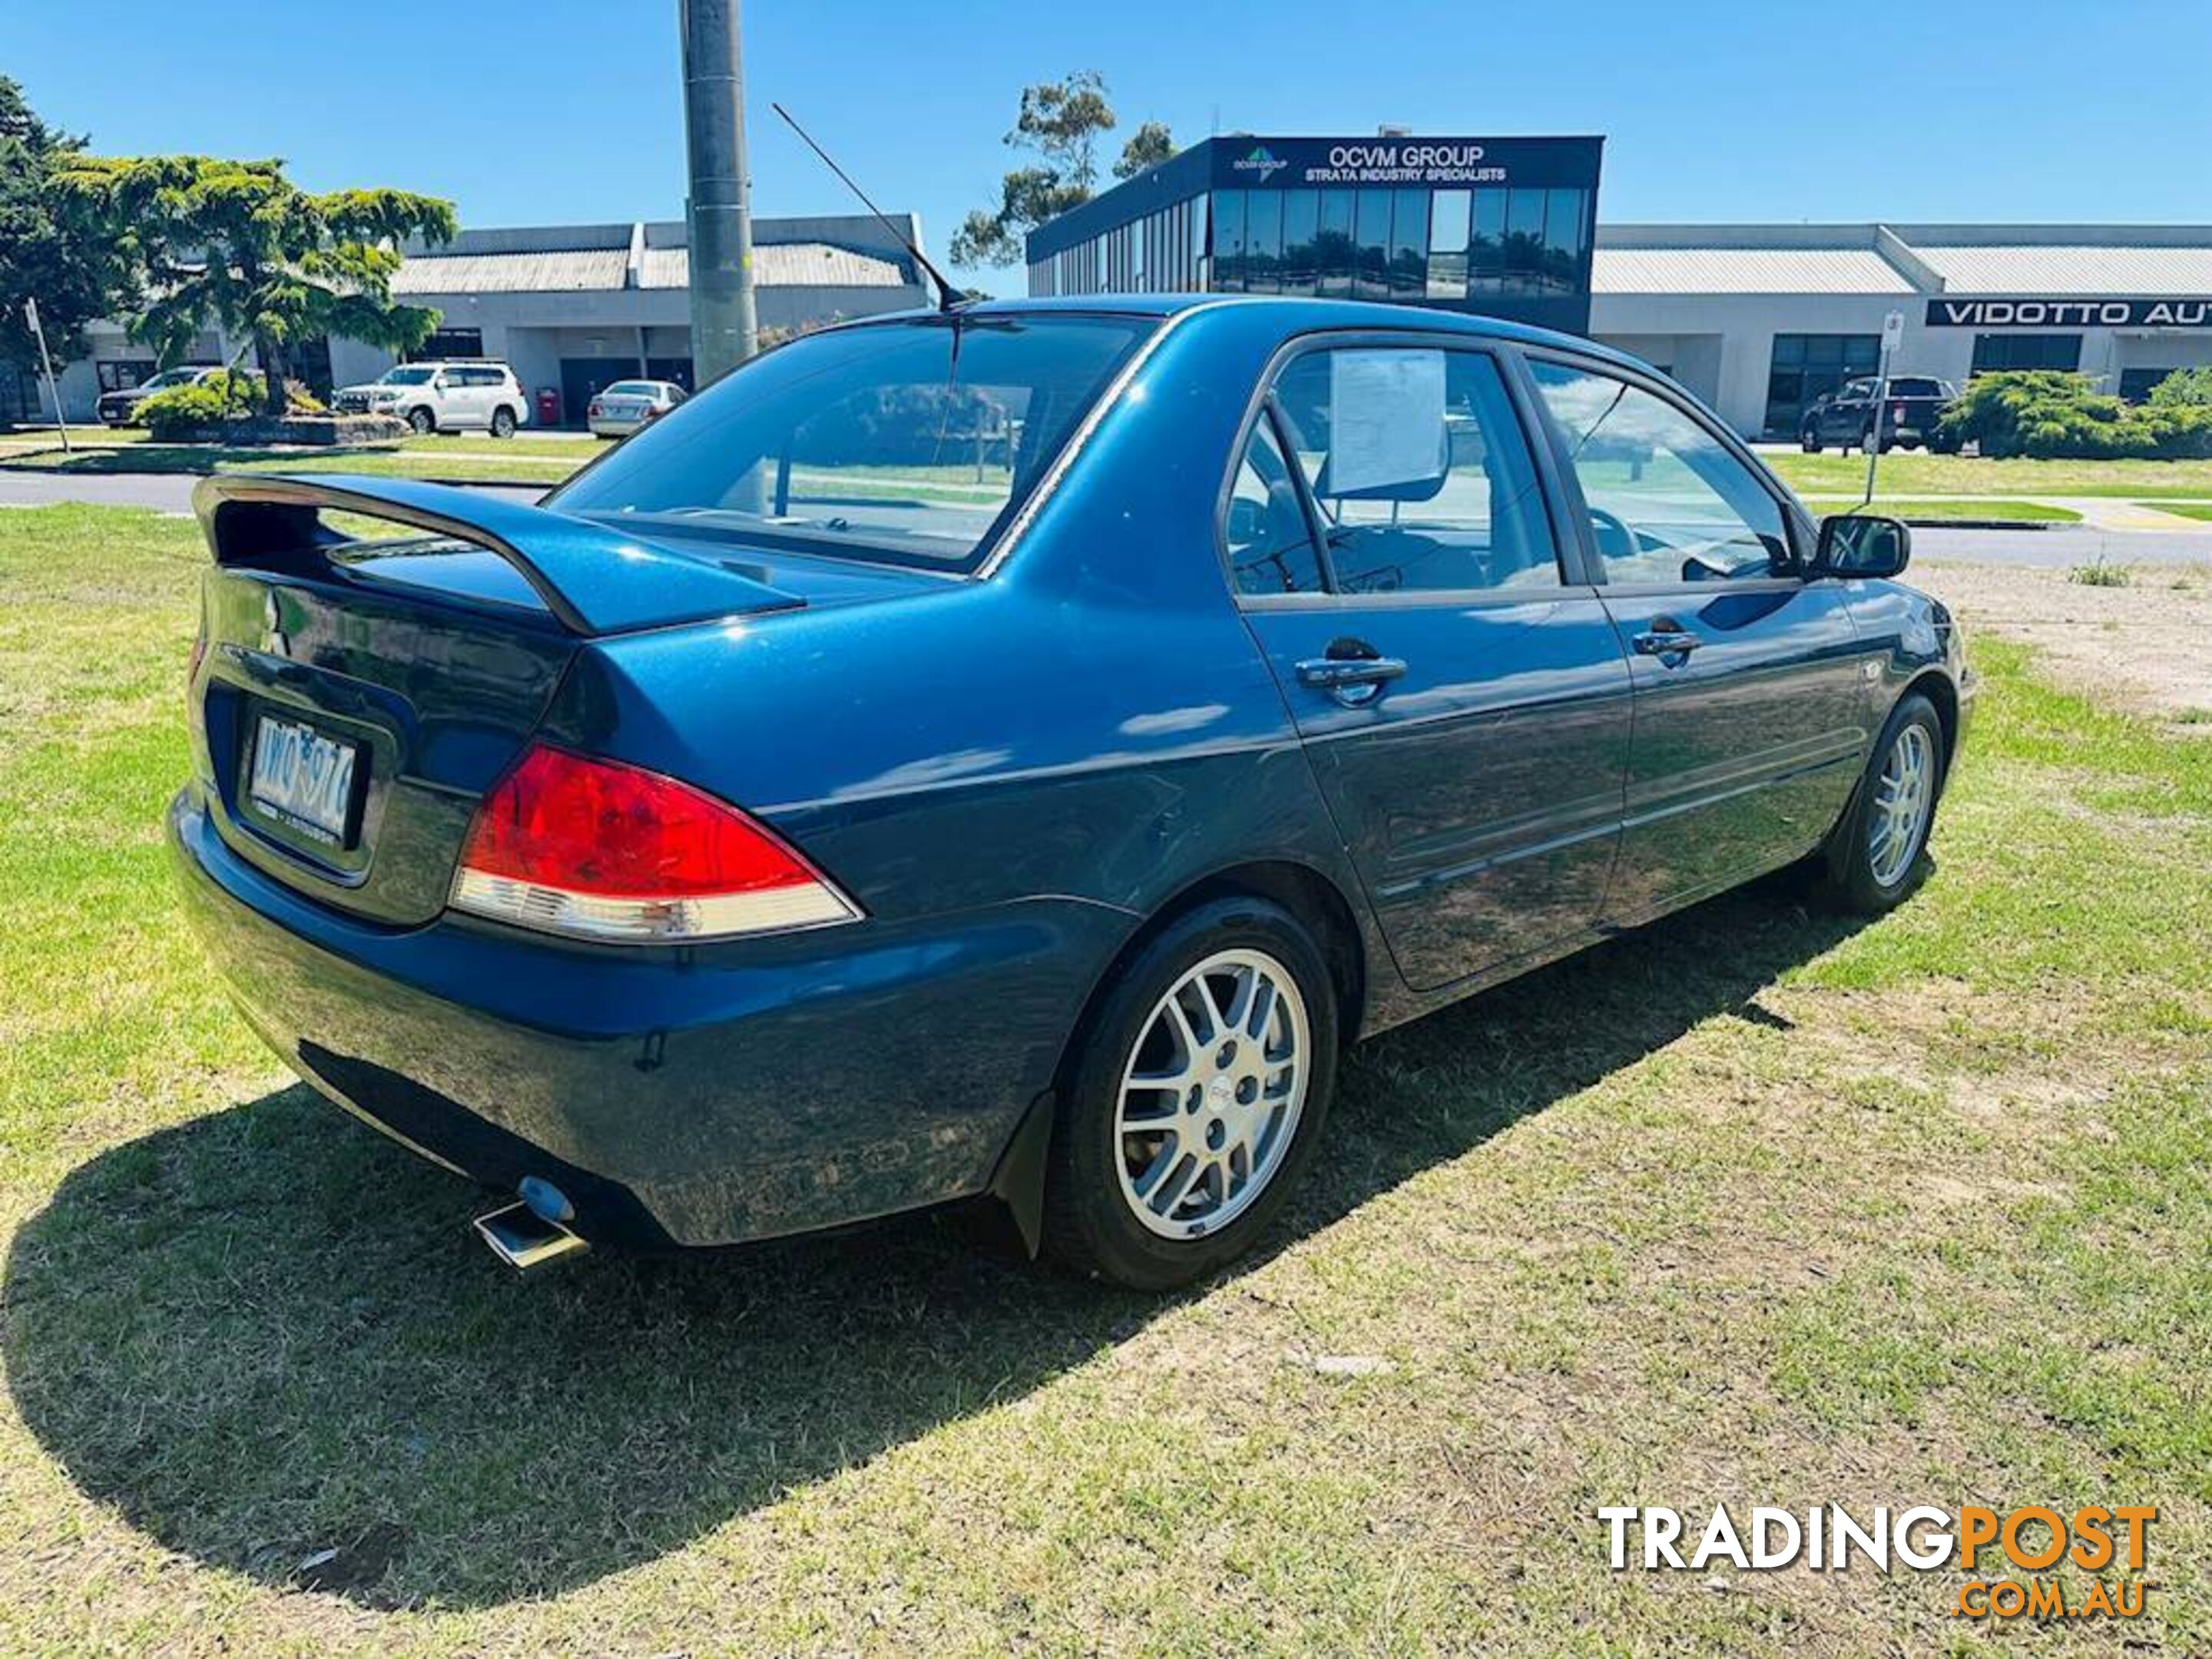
[[1419, 465], [1270, 544]]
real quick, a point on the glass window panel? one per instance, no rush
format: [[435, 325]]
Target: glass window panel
[[1563, 241], [1263, 241], [1301, 221], [1334, 243], [1789, 350], [1486, 269], [1669, 501], [1447, 228], [1371, 234], [1825, 350], [1229, 240], [1524, 241], [1862, 351], [1472, 518], [1270, 544], [1409, 243]]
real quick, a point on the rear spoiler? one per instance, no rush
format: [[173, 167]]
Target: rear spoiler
[[594, 579]]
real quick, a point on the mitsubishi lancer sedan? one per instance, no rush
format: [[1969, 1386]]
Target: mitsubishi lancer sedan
[[1004, 755]]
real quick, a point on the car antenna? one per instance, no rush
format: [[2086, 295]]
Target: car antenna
[[947, 300]]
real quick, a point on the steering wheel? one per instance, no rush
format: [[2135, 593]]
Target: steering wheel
[[1614, 529]]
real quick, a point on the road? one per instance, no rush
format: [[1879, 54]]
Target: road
[[2051, 549]]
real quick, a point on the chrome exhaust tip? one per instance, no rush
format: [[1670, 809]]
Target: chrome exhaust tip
[[523, 1239]]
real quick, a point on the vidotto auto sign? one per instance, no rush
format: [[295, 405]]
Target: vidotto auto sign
[[2069, 314]]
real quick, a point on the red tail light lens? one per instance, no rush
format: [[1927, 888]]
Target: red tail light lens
[[598, 849]]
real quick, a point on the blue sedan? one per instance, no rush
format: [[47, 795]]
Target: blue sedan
[[1006, 754]]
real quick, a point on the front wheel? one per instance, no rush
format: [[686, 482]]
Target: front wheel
[[1193, 1098], [1876, 853], [1809, 439], [502, 423]]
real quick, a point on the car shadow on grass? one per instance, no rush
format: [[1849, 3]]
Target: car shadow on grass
[[265, 1338]]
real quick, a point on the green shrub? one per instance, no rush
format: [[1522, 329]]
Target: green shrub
[[233, 395], [2049, 415], [2185, 388]]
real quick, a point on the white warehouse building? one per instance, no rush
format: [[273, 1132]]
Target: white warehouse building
[[571, 307], [1760, 320]]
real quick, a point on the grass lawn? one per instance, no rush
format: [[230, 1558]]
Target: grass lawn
[[1764, 1207], [1951, 506], [2184, 509], [1916, 473]]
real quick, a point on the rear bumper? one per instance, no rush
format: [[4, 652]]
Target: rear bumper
[[687, 1096]]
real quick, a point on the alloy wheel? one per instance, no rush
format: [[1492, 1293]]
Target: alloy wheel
[[1211, 1094], [1903, 796]]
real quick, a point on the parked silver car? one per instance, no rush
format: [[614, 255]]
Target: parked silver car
[[626, 405]]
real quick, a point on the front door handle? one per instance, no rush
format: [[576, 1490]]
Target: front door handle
[[1664, 640], [1353, 681]]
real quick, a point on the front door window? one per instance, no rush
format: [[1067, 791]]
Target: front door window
[[1668, 501]]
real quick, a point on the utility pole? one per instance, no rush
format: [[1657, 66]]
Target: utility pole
[[723, 325]]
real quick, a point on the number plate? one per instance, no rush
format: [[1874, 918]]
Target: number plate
[[303, 778]]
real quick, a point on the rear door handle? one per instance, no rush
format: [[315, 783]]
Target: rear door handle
[[1662, 641], [1353, 681]]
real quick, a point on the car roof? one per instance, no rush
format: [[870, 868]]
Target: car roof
[[1296, 316]]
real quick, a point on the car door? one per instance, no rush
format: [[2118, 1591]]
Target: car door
[[1751, 695], [1847, 416], [1460, 692], [479, 389]]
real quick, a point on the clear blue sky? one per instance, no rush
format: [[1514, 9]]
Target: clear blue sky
[[570, 110]]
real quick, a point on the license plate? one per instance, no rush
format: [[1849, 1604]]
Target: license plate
[[303, 778]]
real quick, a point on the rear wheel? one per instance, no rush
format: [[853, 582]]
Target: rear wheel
[[1877, 853], [1193, 1098], [422, 421], [502, 422]]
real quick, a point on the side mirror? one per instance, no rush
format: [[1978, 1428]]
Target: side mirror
[[1861, 545]]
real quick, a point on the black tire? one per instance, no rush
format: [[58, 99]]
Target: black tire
[[1809, 439], [1090, 1224], [1850, 878], [502, 422], [422, 421]]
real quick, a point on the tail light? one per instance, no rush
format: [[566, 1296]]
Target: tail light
[[595, 405], [592, 848], [1897, 414]]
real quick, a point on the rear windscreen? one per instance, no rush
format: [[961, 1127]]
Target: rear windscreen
[[913, 441], [1909, 388]]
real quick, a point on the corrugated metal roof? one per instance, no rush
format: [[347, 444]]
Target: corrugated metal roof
[[563, 272], [780, 265], [2071, 268], [784, 265], [1744, 270]]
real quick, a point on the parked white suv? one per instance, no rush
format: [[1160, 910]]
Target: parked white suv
[[443, 397]]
